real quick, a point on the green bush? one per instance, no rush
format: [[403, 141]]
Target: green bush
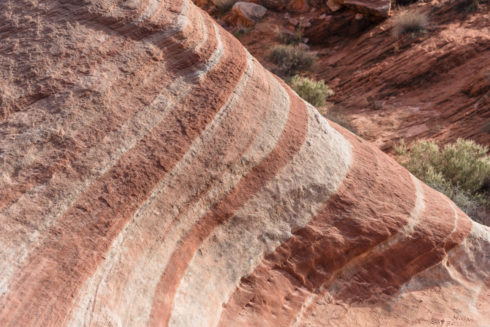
[[410, 22], [466, 164], [290, 59], [310, 90], [459, 170]]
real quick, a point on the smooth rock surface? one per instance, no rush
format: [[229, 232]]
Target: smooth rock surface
[[153, 173], [246, 13]]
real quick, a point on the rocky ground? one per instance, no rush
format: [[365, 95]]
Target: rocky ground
[[434, 84]]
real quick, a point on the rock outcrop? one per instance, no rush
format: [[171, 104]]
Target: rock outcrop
[[154, 173], [379, 8], [372, 7], [434, 85], [245, 14]]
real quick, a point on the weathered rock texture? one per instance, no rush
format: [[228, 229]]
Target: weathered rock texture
[[434, 85], [154, 174], [371, 7], [245, 13]]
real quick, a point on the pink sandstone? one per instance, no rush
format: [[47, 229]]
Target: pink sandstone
[[153, 173]]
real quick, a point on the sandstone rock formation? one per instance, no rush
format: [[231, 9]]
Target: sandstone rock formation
[[374, 7], [379, 8], [153, 173], [433, 85], [246, 14]]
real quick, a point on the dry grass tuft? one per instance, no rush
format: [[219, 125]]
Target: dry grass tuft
[[291, 59], [410, 22]]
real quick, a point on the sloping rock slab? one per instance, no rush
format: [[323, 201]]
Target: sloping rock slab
[[153, 173]]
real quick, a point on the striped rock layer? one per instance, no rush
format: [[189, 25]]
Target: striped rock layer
[[153, 173]]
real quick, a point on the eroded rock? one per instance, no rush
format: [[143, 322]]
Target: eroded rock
[[155, 174], [246, 13], [373, 7]]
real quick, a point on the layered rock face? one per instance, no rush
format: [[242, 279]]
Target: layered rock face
[[154, 174], [436, 85]]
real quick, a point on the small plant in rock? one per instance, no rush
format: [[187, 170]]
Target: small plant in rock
[[312, 91], [290, 59], [411, 22], [460, 170], [289, 38]]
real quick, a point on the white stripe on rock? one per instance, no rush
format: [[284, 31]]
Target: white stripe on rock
[[66, 189], [353, 266], [287, 202], [133, 301]]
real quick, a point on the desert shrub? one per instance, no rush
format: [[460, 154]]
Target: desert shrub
[[476, 205], [289, 38], [410, 22], [466, 164], [421, 160], [312, 91], [460, 170], [290, 59]]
